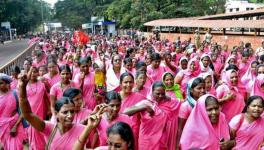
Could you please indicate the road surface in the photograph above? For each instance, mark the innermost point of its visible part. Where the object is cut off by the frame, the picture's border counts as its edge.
(11, 50)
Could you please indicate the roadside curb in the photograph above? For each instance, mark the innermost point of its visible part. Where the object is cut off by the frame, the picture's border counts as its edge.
(6, 42)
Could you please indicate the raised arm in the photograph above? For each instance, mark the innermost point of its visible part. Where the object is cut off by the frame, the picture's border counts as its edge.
(27, 113)
(93, 121)
(138, 108)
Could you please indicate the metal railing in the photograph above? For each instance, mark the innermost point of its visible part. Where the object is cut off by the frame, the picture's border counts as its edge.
(17, 61)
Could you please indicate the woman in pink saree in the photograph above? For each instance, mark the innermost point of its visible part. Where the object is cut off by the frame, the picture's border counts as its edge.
(155, 70)
(195, 89)
(218, 66)
(231, 95)
(156, 132)
(39, 102)
(85, 81)
(53, 75)
(61, 135)
(142, 66)
(12, 132)
(111, 116)
(130, 98)
(249, 75)
(209, 84)
(258, 86)
(244, 63)
(247, 128)
(206, 127)
(58, 88)
(184, 76)
(81, 113)
(140, 86)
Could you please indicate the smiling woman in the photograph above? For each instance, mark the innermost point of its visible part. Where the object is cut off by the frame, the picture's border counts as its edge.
(61, 135)
(247, 128)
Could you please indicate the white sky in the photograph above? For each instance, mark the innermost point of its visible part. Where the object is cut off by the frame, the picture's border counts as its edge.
(52, 2)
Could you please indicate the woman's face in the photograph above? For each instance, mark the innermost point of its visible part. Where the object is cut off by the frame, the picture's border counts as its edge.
(206, 61)
(245, 59)
(84, 67)
(117, 61)
(158, 93)
(155, 63)
(168, 80)
(42, 71)
(260, 70)
(192, 66)
(148, 60)
(255, 109)
(253, 66)
(212, 109)
(4, 87)
(134, 62)
(234, 78)
(127, 84)
(26, 65)
(65, 76)
(34, 74)
(141, 80)
(128, 66)
(232, 61)
(113, 109)
(52, 68)
(198, 91)
(115, 142)
(214, 57)
(66, 114)
(78, 101)
(208, 83)
(168, 58)
(184, 64)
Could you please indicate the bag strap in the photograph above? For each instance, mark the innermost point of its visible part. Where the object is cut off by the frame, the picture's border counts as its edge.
(17, 105)
(24, 122)
(51, 137)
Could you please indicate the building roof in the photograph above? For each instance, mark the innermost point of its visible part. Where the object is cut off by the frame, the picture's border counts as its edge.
(207, 23)
(241, 14)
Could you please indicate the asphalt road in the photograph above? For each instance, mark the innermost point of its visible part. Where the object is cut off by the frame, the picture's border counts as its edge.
(10, 50)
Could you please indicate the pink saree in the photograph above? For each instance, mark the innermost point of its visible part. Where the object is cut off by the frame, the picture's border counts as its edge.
(200, 133)
(248, 135)
(235, 106)
(63, 141)
(8, 117)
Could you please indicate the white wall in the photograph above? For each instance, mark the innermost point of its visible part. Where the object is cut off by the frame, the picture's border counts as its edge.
(233, 6)
(111, 29)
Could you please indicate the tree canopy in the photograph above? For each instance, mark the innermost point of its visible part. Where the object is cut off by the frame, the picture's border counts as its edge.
(24, 15)
(132, 13)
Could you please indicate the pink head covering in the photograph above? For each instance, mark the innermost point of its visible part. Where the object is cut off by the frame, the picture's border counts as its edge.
(228, 59)
(249, 75)
(239, 87)
(199, 131)
(257, 86)
(188, 70)
(204, 76)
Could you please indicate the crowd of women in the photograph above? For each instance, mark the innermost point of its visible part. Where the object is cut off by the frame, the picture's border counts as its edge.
(133, 94)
